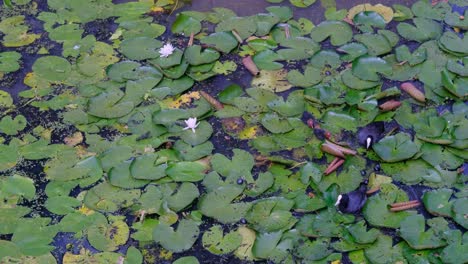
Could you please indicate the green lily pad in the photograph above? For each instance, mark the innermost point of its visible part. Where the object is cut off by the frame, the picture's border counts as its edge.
(270, 215)
(368, 20)
(140, 48)
(298, 48)
(33, 236)
(366, 68)
(426, 10)
(218, 204)
(453, 43)
(310, 77)
(459, 67)
(376, 44)
(283, 12)
(214, 241)
(52, 68)
(339, 32)
(396, 148)
(120, 176)
(244, 26)
(272, 80)
(108, 236)
(377, 213)
(413, 231)
(424, 29)
(17, 186)
(266, 60)
(172, 60)
(61, 205)
(275, 124)
(403, 54)
(186, 25)
(187, 260)
(353, 50)
(354, 82)
(9, 61)
(460, 210)
(265, 21)
(455, 20)
(222, 41)
(12, 126)
(384, 251)
(108, 198)
(186, 171)
(108, 105)
(195, 56)
(177, 240)
(437, 202)
(360, 233)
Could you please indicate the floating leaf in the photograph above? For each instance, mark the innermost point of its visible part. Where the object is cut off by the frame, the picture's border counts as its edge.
(217, 204)
(396, 148)
(272, 80)
(339, 32)
(12, 126)
(366, 68)
(437, 202)
(423, 30)
(177, 240)
(214, 241)
(222, 41)
(52, 68)
(108, 105)
(140, 48)
(195, 56)
(414, 232)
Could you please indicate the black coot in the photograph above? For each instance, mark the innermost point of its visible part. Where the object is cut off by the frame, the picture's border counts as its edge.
(352, 202)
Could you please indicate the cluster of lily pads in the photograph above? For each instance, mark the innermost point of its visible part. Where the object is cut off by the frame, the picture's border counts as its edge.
(142, 175)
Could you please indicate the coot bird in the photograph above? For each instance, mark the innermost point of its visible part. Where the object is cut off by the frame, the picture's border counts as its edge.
(352, 202)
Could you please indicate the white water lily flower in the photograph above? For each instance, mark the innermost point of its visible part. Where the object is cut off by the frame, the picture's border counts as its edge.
(191, 124)
(166, 50)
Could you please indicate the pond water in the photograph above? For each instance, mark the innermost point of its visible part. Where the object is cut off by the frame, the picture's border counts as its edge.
(95, 142)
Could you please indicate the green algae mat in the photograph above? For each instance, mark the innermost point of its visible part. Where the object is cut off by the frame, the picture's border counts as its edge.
(147, 132)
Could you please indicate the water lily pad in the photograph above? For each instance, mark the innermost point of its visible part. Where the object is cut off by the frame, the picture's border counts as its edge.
(396, 148)
(214, 241)
(426, 10)
(186, 25)
(366, 21)
(385, 11)
(384, 249)
(414, 232)
(460, 210)
(187, 260)
(459, 67)
(453, 43)
(244, 26)
(366, 68)
(108, 105)
(62, 205)
(17, 186)
(186, 171)
(140, 48)
(355, 82)
(361, 235)
(218, 204)
(298, 48)
(12, 126)
(424, 29)
(339, 32)
(195, 56)
(108, 236)
(456, 20)
(120, 176)
(437, 202)
(272, 80)
(177, 240)
(275, 124)
(222, 41)
(9, 61)
(272, 214)
(376, 44)
(403, 54)
(52, 68)
(353, 50)
(266, 60)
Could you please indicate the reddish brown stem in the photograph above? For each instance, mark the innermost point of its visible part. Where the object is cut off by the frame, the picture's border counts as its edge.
(333, 167)
(390, 105)
(250, 65)
(404, 207)
(373, 190)
(190, 42)
(330, 149)
(413, 91)
(342, 149)
(404, 203)
(213, 102)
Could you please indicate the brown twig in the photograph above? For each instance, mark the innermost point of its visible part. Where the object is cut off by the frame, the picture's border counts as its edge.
(190, 42)
(237, 36)
(213, 102)
(390, 105)
(334, 165)
(397, 207)
(250, 65)
(330, 149)
(413, 91)
(342, 149)
(373, 190)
